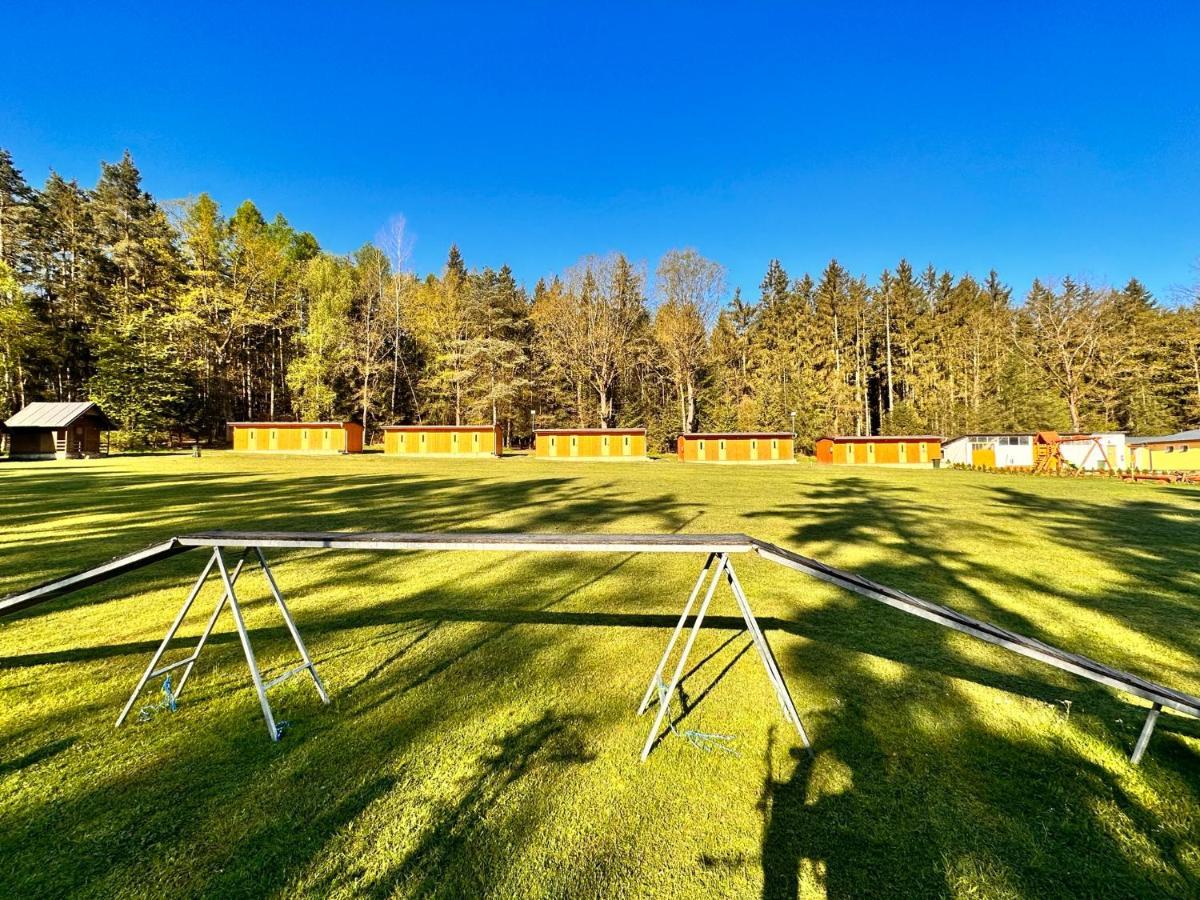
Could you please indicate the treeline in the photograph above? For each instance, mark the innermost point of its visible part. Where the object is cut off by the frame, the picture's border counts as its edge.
(176, 317)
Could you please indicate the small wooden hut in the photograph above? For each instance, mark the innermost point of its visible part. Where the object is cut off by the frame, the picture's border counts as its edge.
(736, 447)
(296, 437)
(880, 450)
(443, 440)
(590, 443)
(58, 431)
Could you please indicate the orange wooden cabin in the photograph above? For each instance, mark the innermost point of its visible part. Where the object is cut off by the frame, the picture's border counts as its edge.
(297, 437)
(443, 440)
(590, 443)
(880, 450)
(737, 447)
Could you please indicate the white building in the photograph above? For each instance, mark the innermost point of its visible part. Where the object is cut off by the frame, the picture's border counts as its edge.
(1000, 451)
(1082, 450)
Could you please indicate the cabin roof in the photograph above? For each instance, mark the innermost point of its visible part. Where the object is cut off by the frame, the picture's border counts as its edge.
(289, 424)
(879, 438)
(566, 431)
(717, 435)
(57, 415)
(1193, 435)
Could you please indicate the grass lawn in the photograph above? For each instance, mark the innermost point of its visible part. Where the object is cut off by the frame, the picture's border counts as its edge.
(482, 737)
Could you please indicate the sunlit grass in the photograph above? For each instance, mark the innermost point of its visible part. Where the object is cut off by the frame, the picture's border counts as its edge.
(482, 736)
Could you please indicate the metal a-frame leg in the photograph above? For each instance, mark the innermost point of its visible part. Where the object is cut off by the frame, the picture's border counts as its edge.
(724, 567)
(652, 689)
(229, 596)
(768, 658)
(243, 635)
(295, 632)
(151, 671)
(1144, 738)
(722, 561)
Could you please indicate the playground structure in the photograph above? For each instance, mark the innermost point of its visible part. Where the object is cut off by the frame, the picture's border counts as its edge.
(1049, 459)
(718, 549)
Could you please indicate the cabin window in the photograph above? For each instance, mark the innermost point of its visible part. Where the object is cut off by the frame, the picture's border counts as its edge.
(1183, 448)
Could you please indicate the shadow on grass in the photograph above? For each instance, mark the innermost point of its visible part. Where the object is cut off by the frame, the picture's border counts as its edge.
(916, 790)
(840, 822)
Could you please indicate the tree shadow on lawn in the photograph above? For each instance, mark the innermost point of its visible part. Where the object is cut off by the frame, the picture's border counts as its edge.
(901, 821)
(1137, 538)
(1082, 830)
(212, 808)
(141, 510)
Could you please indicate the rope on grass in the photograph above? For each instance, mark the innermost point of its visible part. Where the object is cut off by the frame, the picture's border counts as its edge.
(168, 702)
(701, 740)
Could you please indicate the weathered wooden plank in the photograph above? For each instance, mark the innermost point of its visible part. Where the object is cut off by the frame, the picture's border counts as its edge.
(1018, 643)
(57, 587)
(492, 541)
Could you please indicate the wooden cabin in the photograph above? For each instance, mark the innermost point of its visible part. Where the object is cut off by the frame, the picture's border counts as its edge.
(296, 437)
(590, 443)
(737, 447)
(58, 431)
(880, 450)
(1179, 452)
(443, 440)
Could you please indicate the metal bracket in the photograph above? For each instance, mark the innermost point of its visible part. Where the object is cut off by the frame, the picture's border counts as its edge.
(724, 568)
(229, 596)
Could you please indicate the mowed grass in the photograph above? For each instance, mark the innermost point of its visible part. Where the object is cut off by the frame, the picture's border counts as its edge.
(482, 739)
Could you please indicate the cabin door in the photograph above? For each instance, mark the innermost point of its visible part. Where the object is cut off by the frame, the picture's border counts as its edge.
(252, 438)
(871, 454)
(924, 451)
(574, 445)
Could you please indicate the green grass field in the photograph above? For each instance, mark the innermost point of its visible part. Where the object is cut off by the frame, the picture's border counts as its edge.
(482, 738)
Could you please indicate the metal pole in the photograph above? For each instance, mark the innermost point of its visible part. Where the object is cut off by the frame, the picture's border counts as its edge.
(662, 663)
(768, 658)
(687, 649)
(287, 617)
(162, 648)
(1144, 738)
(249, 651)
(212, 621)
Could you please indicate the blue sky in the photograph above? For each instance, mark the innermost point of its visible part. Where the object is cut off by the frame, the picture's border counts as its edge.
(1040, 141)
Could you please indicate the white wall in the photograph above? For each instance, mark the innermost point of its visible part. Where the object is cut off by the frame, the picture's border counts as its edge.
(1086, 455)
(960, 449)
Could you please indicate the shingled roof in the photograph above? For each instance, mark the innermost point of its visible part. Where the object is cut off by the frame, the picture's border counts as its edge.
(56, 415)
